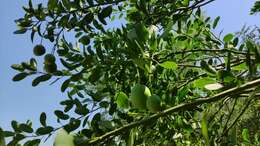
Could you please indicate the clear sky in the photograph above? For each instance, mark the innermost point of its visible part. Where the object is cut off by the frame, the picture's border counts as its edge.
(20, 101)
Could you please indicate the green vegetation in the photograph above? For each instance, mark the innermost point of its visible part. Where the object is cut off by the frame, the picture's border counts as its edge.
(204, 86)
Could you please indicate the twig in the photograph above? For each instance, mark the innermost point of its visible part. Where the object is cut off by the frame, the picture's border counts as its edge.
(180, 107)
(237, 118)
(230, 114)
(206, 50)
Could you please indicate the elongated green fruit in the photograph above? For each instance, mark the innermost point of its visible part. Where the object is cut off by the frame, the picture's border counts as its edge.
(153, 103)
(49, 59)
(139, 95)
(204, 65)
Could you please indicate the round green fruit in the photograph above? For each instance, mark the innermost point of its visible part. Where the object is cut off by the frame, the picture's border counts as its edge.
(139, 95)
(39, 50)
(50, 68)
(49, 59)
(63, 138)
(153, 103)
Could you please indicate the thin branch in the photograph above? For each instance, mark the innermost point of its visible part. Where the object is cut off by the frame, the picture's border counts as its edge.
(191, 80)
(220, 107)
(238, 117)
(97, 5)
(180, 10)
(230, 114)
(206, 50)
(180, 107)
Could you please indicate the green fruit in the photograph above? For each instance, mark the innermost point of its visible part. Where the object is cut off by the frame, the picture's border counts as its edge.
(153, 103)
(139, 95)
(63, 138)
(49, 59)
(50, 68)
(39, 50)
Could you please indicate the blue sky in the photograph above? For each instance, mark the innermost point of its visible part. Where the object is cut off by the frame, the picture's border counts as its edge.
(20, 101)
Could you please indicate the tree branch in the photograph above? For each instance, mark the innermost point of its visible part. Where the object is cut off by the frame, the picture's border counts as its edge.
(180, 107)
(97, 5)
(206, 50)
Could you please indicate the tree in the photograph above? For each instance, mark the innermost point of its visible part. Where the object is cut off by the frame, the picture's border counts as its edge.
(204, 84)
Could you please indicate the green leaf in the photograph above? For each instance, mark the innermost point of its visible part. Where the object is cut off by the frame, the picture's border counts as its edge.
(26, 128)
(228, 37)
(181, 38)
(255, 8)
(245, 135)
(169, 65)
(40, 79)
(142, 32)
(90, 2)
(185, 2)
(61, 115)
(65, 85)
(14, 125)
(88, 18)
(52, 4)
(106, 12)
(95, 120)
(20, 31)
(43, 118)
(73, 125)
(84, 40)
(66, 4)
(20, 76)
(208, 68)
(235, 41)
(140, 62)
(34, 142)
(240, 67)
(204, 129)
(66, 64)
(100, 53)
(44, 130)
(122, 100)
(32, 35)
(2, 139)
(249, 45)
(28, 66)
(9, 134)
(233, 136)
(64, 20)
(215, 23)
(95, 75)
(104, 104)
(81, 110)
(17, 67)
(200, 83)
(131, 137)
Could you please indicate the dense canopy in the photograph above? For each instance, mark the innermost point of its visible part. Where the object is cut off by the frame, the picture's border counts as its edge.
(141, 72)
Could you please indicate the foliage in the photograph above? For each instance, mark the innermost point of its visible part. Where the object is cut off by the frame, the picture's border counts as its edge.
(256, 8)
(167, 46)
